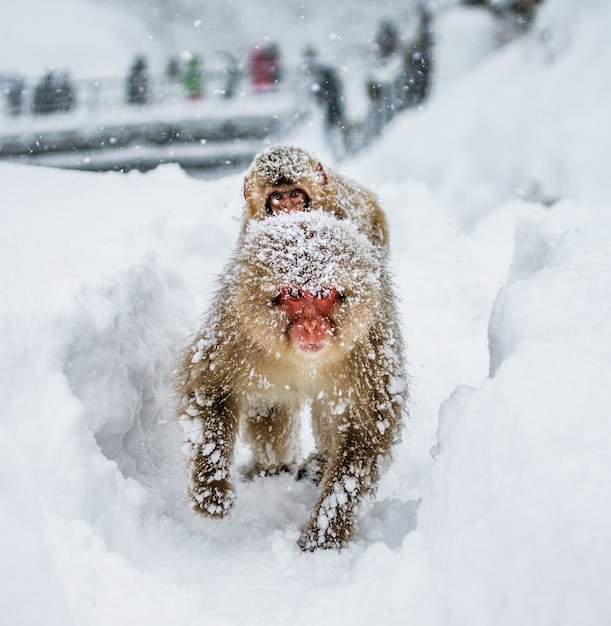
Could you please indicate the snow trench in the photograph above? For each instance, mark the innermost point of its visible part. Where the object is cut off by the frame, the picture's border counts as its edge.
(119, 361)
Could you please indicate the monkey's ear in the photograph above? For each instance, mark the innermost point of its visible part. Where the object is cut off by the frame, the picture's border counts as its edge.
(320, 170)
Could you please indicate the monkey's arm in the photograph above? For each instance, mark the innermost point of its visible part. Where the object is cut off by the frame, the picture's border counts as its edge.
(210, 426)
(361, 435)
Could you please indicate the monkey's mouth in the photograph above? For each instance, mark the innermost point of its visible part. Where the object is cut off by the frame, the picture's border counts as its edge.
(311, 347)
(309, 315)
(311, 338)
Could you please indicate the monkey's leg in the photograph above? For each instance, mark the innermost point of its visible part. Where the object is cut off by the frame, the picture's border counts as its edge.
(351, 473)
(273, 435)
(212, 432)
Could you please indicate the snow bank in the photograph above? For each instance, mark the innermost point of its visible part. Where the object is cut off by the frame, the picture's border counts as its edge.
(96, 314)
(517, 513)
(526, 121)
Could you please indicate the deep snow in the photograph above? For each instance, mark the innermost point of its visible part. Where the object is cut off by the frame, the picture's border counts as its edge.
(499, 203)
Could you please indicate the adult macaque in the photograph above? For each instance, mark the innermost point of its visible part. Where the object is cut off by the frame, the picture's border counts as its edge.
(285, 178)
(304, 315)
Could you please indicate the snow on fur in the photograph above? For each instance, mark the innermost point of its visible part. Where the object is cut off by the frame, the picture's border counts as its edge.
(312, 250)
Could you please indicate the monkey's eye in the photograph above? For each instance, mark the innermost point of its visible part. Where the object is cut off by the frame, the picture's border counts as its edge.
(300, 193)
(295, 293)
(276, 196)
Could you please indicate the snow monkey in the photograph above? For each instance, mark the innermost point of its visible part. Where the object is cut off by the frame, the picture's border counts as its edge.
(285, 178)
(304, 318)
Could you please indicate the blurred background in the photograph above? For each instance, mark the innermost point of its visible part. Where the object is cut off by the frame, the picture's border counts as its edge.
(129, 84)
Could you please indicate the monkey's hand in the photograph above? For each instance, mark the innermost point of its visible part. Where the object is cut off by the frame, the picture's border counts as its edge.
(210, 490)
(324, 535)
(213, 499)
(331, 525)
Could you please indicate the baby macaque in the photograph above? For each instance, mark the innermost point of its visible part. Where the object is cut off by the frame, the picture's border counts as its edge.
(285, 178)
(304, 316)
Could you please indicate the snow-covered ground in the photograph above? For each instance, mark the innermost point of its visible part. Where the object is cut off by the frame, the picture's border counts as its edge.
(499, 201)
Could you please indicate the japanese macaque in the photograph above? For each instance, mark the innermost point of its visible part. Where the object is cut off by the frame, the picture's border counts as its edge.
(285, 178)
(304, 316)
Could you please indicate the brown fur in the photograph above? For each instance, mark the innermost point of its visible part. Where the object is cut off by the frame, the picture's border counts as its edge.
(328, 190)
(242, 375)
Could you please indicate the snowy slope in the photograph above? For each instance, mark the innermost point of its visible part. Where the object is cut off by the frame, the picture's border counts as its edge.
(506, 307)
(527, 120)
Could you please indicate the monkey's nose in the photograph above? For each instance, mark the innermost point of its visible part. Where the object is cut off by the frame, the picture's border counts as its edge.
(311, 325)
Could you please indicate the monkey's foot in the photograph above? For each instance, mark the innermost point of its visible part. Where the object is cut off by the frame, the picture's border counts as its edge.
(212, 499)
(255, 470)
(332, 523)
(312, 468)
(314, 538)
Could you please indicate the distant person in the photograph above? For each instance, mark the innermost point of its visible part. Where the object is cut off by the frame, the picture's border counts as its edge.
(14, 96)
(330, 94)
(265, 67)
(44, 99)
(232, 77)
(137, 84)
(193, 79)
(417, 64)
(170, 88)
(327, 89)
(387, 39)
(172, 70)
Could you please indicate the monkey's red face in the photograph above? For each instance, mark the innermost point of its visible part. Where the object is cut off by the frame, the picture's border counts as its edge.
(308, 312)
